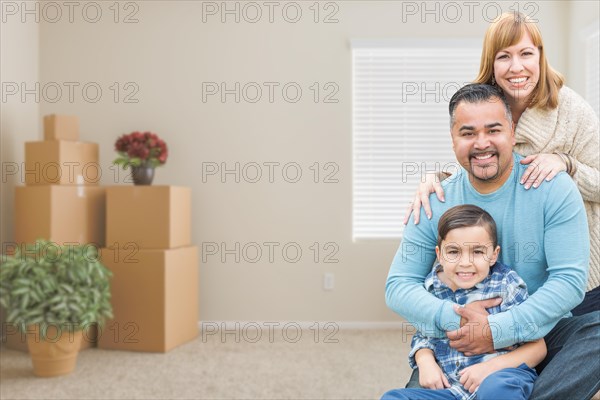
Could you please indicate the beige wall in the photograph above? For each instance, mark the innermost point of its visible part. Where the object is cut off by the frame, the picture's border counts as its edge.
(170, 52)
(19, 119)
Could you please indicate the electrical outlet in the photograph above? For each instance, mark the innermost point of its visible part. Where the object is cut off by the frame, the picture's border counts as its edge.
(328, 281)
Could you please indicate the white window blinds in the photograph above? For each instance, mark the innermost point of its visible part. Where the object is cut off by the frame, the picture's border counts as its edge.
(401, 125)
(592, 78)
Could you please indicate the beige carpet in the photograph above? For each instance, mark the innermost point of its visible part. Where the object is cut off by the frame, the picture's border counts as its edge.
(362, 365)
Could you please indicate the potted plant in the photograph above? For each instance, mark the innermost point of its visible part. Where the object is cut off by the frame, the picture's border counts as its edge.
(54, 293)
(143, 152)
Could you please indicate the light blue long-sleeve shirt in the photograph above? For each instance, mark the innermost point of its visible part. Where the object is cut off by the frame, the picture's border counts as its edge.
(543, 235)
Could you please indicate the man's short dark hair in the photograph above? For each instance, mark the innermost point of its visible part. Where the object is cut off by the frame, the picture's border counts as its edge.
(465, 216)
(477, 93)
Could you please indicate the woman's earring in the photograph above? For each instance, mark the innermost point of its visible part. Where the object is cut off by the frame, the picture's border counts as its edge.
(493, 80)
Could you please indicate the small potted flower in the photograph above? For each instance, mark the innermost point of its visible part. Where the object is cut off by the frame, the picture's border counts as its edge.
(143, 152)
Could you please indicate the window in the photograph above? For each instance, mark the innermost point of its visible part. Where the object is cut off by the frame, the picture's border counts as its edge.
(400, 124)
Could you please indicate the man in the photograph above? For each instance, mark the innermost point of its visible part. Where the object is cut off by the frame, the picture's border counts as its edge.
(543, 237)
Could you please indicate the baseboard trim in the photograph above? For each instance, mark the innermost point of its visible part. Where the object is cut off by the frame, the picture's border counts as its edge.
(341, 325)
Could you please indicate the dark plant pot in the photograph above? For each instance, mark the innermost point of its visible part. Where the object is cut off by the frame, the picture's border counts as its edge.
(142, 175)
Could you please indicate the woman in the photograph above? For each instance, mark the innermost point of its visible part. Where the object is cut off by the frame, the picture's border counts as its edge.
(554, 127)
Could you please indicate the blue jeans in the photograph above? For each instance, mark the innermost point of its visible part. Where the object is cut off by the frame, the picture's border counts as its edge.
(571, 369)
(590, 303)
(509, 384)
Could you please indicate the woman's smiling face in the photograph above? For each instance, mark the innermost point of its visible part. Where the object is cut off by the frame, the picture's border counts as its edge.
(517, 69)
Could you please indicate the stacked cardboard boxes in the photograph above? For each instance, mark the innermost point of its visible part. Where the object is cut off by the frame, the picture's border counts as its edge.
(155, 269)
(61, 201)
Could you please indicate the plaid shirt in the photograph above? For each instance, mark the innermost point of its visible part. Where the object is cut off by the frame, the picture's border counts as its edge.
(501, 282)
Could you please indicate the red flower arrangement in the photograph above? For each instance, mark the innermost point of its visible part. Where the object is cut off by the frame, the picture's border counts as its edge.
(139, 148)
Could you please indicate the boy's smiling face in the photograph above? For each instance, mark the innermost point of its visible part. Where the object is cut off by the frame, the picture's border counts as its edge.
(466, 255)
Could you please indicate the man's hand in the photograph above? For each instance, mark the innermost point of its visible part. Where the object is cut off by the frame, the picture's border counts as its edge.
(480, 307)
(474, 337)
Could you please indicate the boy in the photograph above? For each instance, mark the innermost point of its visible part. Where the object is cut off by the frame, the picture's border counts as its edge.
(467, 250)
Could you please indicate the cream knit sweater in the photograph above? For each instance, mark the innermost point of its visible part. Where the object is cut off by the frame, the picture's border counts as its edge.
(570, 128)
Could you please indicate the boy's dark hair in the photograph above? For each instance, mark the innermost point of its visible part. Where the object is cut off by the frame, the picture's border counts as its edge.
(478, 93)
(465, 216)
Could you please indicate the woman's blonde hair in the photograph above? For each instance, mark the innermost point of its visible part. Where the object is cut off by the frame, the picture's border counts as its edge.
(506, 31)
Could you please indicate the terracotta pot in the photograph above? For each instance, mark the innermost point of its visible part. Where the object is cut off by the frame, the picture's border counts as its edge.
(56, 354)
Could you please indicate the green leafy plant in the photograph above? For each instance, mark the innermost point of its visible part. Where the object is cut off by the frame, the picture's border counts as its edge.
(48, 284)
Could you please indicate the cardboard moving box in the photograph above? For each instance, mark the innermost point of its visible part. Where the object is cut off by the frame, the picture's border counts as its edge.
(61, 162)
(149, 217)
(60, 213)
(61, 127)
(154, 299)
